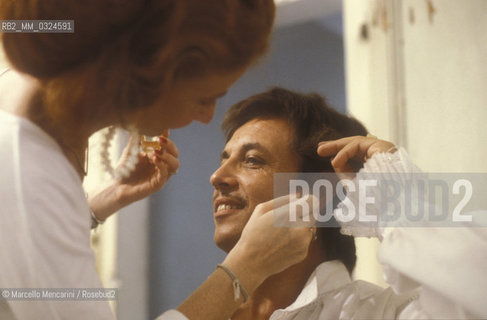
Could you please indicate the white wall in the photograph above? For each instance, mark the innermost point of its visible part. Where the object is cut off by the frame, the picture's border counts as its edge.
(369, 78)
(445, 82)
(419, 79)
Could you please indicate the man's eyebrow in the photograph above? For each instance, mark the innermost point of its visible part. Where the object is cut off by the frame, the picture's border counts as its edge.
(223, 155)
(254, 145)
(246, 147)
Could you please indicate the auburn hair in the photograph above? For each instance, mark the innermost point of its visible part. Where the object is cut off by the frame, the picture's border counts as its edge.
(125, 52)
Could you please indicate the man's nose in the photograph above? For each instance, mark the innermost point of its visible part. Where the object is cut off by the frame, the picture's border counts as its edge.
(223, 177)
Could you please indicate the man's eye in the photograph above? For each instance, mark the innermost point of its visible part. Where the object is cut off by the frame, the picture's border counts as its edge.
(251, 160)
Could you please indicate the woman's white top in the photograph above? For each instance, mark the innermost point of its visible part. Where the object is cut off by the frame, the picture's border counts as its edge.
(44, 226)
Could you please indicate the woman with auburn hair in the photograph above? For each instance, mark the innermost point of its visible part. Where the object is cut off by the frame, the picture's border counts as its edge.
(146, 66)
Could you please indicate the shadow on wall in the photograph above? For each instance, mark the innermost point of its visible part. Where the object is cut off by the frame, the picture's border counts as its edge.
(306, 57)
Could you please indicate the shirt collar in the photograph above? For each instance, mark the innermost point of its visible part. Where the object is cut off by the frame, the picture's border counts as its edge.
(327, 277)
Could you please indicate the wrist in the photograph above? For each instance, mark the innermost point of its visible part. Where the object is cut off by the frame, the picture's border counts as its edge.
(119, 198)
(95, 222)
(239, 291)
(244, 266)
(105, 201)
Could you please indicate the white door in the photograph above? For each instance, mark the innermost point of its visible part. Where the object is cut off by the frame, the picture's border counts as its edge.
(417, 75)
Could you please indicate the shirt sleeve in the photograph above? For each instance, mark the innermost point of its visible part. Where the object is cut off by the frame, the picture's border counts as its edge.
(359, 220)
(172, 315)
(447, 265)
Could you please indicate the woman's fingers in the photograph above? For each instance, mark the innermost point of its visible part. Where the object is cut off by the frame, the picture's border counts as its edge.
(277, 248)
(169, 146)
(288, 210)
(297, 213)
(330, 148)
(171, 162)
(357, 148)
(268, 206)
(167, 162)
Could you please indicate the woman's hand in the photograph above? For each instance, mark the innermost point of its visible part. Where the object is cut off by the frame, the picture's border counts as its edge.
(349, 155)
(264, 249)
(151, 173)
(348, 150)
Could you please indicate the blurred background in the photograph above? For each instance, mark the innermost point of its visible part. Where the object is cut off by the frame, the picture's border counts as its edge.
(414, 72)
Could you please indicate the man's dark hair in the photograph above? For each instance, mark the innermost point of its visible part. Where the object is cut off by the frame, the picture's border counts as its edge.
(312, 121)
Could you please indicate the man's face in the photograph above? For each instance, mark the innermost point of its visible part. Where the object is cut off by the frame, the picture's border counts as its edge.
(256, 151)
